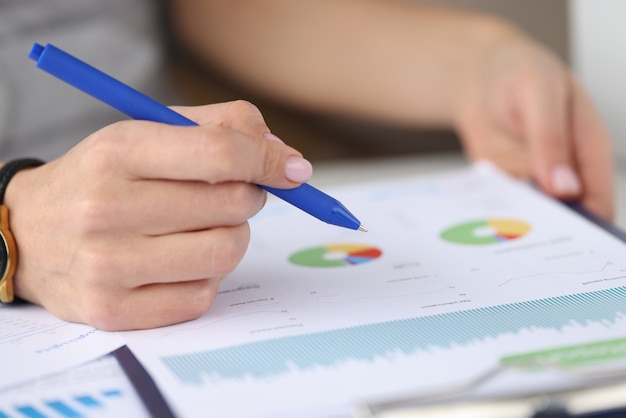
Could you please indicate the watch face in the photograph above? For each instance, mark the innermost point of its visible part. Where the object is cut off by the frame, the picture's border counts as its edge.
(4, 255)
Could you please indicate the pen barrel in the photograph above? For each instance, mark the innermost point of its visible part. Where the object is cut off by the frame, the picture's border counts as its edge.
(139, 106)
(318, 204)
(103, 87)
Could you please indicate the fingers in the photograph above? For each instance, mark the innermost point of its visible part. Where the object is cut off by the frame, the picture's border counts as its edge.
(594, 156)
(246, 118)
(238, 115)
(150, 282)
(485, 139)
(540, 124)
(138, 261)
(151, 216)
(153, 207)
(151, 306)
(213, 154)
(569, 149)
(546, 102)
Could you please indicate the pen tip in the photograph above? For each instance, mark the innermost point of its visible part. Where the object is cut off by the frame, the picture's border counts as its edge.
(362, 228)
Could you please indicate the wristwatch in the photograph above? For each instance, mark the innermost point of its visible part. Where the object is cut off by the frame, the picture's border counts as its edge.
(8, 248)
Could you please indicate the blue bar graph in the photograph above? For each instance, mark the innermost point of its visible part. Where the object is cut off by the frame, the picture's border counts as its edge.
(88, 401)
(63, 409)
(366, 343)
(81, 405)
(30, 412)
(112, 393)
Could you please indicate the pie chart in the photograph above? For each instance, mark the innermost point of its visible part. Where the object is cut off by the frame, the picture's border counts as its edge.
(335, 255)
(486, 231)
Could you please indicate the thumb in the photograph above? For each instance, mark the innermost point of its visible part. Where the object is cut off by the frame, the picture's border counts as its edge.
(280, 166)
(275, 164)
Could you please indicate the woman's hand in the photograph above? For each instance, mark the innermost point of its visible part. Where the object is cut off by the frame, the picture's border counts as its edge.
(136, 226)
(416, 64)
(522, 109)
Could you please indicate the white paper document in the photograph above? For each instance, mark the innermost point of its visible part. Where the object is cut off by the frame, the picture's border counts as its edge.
(460, 273)
(96, 389)
(35, 343)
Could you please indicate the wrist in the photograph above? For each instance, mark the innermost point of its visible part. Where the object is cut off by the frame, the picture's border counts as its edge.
(8, 243)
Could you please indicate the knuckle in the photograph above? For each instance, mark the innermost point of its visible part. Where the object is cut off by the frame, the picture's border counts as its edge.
(242, 200)
(103, 148)
(225, 252)
(245, 108)
(272, 164)
(245, 117)
(100, 308)
(200, 299)
(91, 215)
(102, 315)
(99, 266)
(219, 150)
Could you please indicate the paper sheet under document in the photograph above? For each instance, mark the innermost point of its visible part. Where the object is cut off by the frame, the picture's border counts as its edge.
(459, 273)
(97, 389)
(34, 343)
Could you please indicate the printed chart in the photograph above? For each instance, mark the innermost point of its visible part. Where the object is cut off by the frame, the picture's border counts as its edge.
(457, 275)
(66, 405)
(486, 231)
(45, 344)
(97, 389)
(335, 255)
(369, 343)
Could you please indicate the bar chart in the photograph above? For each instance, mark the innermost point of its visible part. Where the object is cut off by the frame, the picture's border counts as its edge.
(97, 389)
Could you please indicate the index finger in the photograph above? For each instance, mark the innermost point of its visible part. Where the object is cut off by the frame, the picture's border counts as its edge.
(594, 156)
(209, 153)
(239, 115)
(547, 118)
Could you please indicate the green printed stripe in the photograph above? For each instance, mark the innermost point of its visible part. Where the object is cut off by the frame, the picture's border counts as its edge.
(574, 355)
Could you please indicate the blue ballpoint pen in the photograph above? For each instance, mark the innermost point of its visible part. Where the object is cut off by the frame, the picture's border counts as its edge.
(139, 106)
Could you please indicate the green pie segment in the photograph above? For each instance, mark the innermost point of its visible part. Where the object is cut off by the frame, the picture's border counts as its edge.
(489, 231)
(336, 255)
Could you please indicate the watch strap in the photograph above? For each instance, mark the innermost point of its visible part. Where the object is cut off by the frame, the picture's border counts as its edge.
(8, 248)
(8, 170)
